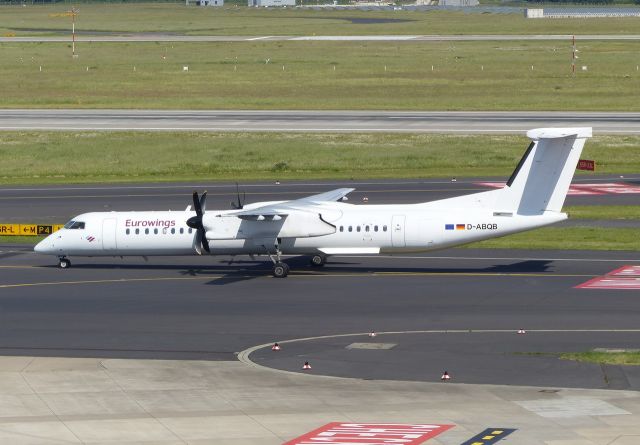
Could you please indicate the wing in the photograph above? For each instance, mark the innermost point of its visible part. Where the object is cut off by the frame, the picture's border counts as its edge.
(333, 195)
(275, 212)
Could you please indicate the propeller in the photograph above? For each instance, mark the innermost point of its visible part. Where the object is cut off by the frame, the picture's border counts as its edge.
(195, 222)
(240, 204)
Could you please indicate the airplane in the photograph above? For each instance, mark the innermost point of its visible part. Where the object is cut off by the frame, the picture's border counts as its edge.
(323, 225)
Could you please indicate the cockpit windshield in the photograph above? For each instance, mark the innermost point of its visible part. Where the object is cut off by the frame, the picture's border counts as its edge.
(74, 225)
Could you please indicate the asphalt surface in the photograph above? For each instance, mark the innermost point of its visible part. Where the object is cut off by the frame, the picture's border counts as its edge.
(57, 204)
(206, 308)
(316, 121)
(157, 37)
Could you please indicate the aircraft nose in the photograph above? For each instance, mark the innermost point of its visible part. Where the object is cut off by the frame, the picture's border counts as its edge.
(45, 246)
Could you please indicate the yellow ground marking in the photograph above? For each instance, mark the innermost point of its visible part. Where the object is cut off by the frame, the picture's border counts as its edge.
(116, 280)
(295, 275)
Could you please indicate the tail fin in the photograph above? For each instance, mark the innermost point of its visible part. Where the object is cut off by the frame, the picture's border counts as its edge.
(541, 180)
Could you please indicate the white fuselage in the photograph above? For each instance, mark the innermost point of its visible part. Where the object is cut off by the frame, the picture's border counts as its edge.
(357, 229)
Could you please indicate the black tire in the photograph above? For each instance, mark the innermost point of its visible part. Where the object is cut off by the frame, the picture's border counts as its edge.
(280, 270)
(64, 263)
(318, 260)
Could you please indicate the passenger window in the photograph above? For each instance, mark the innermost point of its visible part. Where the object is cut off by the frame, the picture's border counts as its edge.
(366, 229)
(358, 228)
(384, 228)
(190, 230)
(128, 231)
(137, 231)
(155, 231)
(181, 230)
(342, 228)
(146, 231)
(173, 230)
(350, 229)
(375, 228)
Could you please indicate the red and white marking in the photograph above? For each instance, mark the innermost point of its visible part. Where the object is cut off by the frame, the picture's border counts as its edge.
(606, 188)
(339, 433)
(607, 282)
(626, 277)
(626, 271)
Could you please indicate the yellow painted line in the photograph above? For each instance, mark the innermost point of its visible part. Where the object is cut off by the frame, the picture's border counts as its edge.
(118, 280)
(422, 274)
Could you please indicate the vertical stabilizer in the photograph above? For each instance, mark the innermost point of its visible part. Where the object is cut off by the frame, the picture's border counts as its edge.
(541, 180)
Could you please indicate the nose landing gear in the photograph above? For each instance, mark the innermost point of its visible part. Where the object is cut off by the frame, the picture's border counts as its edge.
(64, 263)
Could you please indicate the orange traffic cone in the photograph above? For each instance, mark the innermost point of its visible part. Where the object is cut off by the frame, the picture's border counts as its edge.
(306, 366)
(445, 377)
(275, 347)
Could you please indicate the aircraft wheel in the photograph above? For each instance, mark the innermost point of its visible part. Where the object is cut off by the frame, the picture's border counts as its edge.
(280, 270)
(64, 263)
(318, 260)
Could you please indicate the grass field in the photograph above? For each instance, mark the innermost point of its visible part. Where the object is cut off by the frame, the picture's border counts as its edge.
(568, 238)
(232, 20)
(603, 212)
(86, 157)
(322, 75)
(608, 358)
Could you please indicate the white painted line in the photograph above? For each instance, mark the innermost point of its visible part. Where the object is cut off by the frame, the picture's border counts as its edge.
(244, 356)
(259, 38)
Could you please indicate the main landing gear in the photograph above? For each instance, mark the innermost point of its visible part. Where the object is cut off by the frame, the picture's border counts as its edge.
(280, 269)
(318, 260)
(64, 263)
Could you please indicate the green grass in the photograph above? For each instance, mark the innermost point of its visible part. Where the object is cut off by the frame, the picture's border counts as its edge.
(607, 358)
(322, 75)
(603, 212)
(568, 238)
(20, 239)
(232, 20)
(90, 157)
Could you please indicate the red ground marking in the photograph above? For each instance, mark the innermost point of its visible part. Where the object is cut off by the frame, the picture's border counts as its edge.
(610, 282)
(607, 188)
(337, 433)
(626, 271)
(625, 277)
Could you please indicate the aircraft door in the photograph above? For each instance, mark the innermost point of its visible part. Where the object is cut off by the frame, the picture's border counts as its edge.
(109, 234)
(397, 231)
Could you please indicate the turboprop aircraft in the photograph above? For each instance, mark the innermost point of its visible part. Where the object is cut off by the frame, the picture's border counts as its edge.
(324, 225)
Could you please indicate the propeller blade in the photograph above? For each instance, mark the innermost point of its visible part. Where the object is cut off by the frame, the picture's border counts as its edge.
(203, 202)
(196, 204)
(195, 222)
(198, 243)
(205, 241)
(240, 204)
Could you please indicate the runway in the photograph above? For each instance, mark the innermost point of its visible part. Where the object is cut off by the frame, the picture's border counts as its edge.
(517, 122)
(57, 204)
(159, 37)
